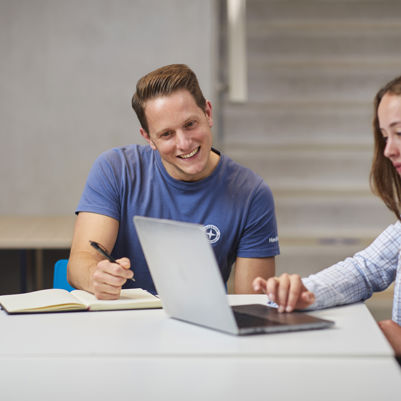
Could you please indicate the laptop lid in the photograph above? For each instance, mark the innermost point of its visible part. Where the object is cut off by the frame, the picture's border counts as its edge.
(188, 280)
(185, 272)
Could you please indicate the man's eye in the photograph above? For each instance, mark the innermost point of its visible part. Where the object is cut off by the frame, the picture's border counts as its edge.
(190, 124)
(165, 134)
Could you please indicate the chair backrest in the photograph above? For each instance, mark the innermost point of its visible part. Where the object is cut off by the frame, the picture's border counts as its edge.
(60, 275)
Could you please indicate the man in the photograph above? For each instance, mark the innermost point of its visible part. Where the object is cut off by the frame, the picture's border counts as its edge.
(177, 176)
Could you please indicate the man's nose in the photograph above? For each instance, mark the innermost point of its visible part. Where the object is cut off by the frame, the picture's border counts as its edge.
(183, 140)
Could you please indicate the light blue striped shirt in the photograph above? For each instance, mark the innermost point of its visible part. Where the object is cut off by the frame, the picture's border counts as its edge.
(355, 279)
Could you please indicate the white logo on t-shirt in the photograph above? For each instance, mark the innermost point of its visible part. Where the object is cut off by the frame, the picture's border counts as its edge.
(212, 232)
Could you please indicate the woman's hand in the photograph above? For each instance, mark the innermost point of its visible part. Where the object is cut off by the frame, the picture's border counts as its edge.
(287, 291)
(392, 331)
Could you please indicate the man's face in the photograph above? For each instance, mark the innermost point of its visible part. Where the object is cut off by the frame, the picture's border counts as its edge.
(181, 132)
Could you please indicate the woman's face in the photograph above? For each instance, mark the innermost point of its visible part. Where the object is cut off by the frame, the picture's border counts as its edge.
(389, 116)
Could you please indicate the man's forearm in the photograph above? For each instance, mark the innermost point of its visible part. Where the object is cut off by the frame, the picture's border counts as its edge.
(81, 266)
(247, 269)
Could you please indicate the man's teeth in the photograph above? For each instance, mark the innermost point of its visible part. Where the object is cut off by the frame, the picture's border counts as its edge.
(189, 154)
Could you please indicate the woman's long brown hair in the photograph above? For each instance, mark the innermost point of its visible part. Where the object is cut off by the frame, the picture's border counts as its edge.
(384, 179)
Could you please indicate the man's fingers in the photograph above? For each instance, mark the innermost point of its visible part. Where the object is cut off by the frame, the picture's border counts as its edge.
(105, 294)
(124, 262)
(106, 290)
(108, 278)
(120, 270)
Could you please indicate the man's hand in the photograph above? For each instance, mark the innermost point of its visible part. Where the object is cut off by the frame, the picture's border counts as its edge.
(287, 291)
(392, 331)
(108, 278)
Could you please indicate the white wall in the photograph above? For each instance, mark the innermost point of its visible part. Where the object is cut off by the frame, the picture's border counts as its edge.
(68, 70)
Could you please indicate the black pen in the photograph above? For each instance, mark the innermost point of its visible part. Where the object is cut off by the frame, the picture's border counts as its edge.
(103, 251)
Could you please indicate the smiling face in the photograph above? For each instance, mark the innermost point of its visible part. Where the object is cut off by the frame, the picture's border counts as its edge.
(389, 117)
(181, 132)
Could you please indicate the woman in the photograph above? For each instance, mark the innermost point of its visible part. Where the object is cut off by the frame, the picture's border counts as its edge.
(376, 267)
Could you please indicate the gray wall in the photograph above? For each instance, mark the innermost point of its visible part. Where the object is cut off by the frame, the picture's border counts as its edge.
(68, 70)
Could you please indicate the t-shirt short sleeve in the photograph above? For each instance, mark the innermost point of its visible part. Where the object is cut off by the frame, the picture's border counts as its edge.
(101, 193)
(260, 237)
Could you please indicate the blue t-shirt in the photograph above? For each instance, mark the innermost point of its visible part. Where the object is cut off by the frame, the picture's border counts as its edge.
(234, 204)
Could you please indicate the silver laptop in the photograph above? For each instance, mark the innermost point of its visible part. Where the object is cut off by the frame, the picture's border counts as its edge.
(188, 280)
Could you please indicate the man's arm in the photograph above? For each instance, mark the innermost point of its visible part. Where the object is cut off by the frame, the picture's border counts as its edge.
(86, 268)
(247, 269)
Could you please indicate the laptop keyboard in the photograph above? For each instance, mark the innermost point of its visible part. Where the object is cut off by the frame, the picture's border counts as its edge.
(262, 315)
(245, 320)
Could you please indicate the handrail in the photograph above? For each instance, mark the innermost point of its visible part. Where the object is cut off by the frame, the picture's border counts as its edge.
(237, 68)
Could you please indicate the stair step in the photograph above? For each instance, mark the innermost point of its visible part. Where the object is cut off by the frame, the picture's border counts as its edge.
(324, 217)
(308, 259)
(268, 83)
(323, 11)
(354, 41)
(336, 27)
(294, 170)
(301, 123)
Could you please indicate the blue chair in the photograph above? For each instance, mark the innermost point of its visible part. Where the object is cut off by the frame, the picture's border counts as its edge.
(60, 275)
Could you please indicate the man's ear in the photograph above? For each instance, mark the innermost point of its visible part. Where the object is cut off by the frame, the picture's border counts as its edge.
(147, 138)
(209, 113)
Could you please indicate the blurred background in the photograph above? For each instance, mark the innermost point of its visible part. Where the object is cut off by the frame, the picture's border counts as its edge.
(291, 82)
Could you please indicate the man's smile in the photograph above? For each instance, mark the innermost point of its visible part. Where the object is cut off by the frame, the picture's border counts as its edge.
(188, 155)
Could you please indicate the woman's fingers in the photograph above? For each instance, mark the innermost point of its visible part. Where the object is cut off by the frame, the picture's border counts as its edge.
(294, 292)
(287, 291)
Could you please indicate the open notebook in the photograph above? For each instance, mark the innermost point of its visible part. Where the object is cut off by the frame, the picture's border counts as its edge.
(58, 300)
(188, 280)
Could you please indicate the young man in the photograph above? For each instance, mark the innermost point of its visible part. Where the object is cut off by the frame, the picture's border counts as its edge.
(177, 176)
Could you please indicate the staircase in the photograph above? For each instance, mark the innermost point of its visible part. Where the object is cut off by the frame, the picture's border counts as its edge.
(314, 67)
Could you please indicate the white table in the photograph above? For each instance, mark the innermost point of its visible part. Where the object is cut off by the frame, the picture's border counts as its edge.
(149, 333)
(148, 356)
(199, 378)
